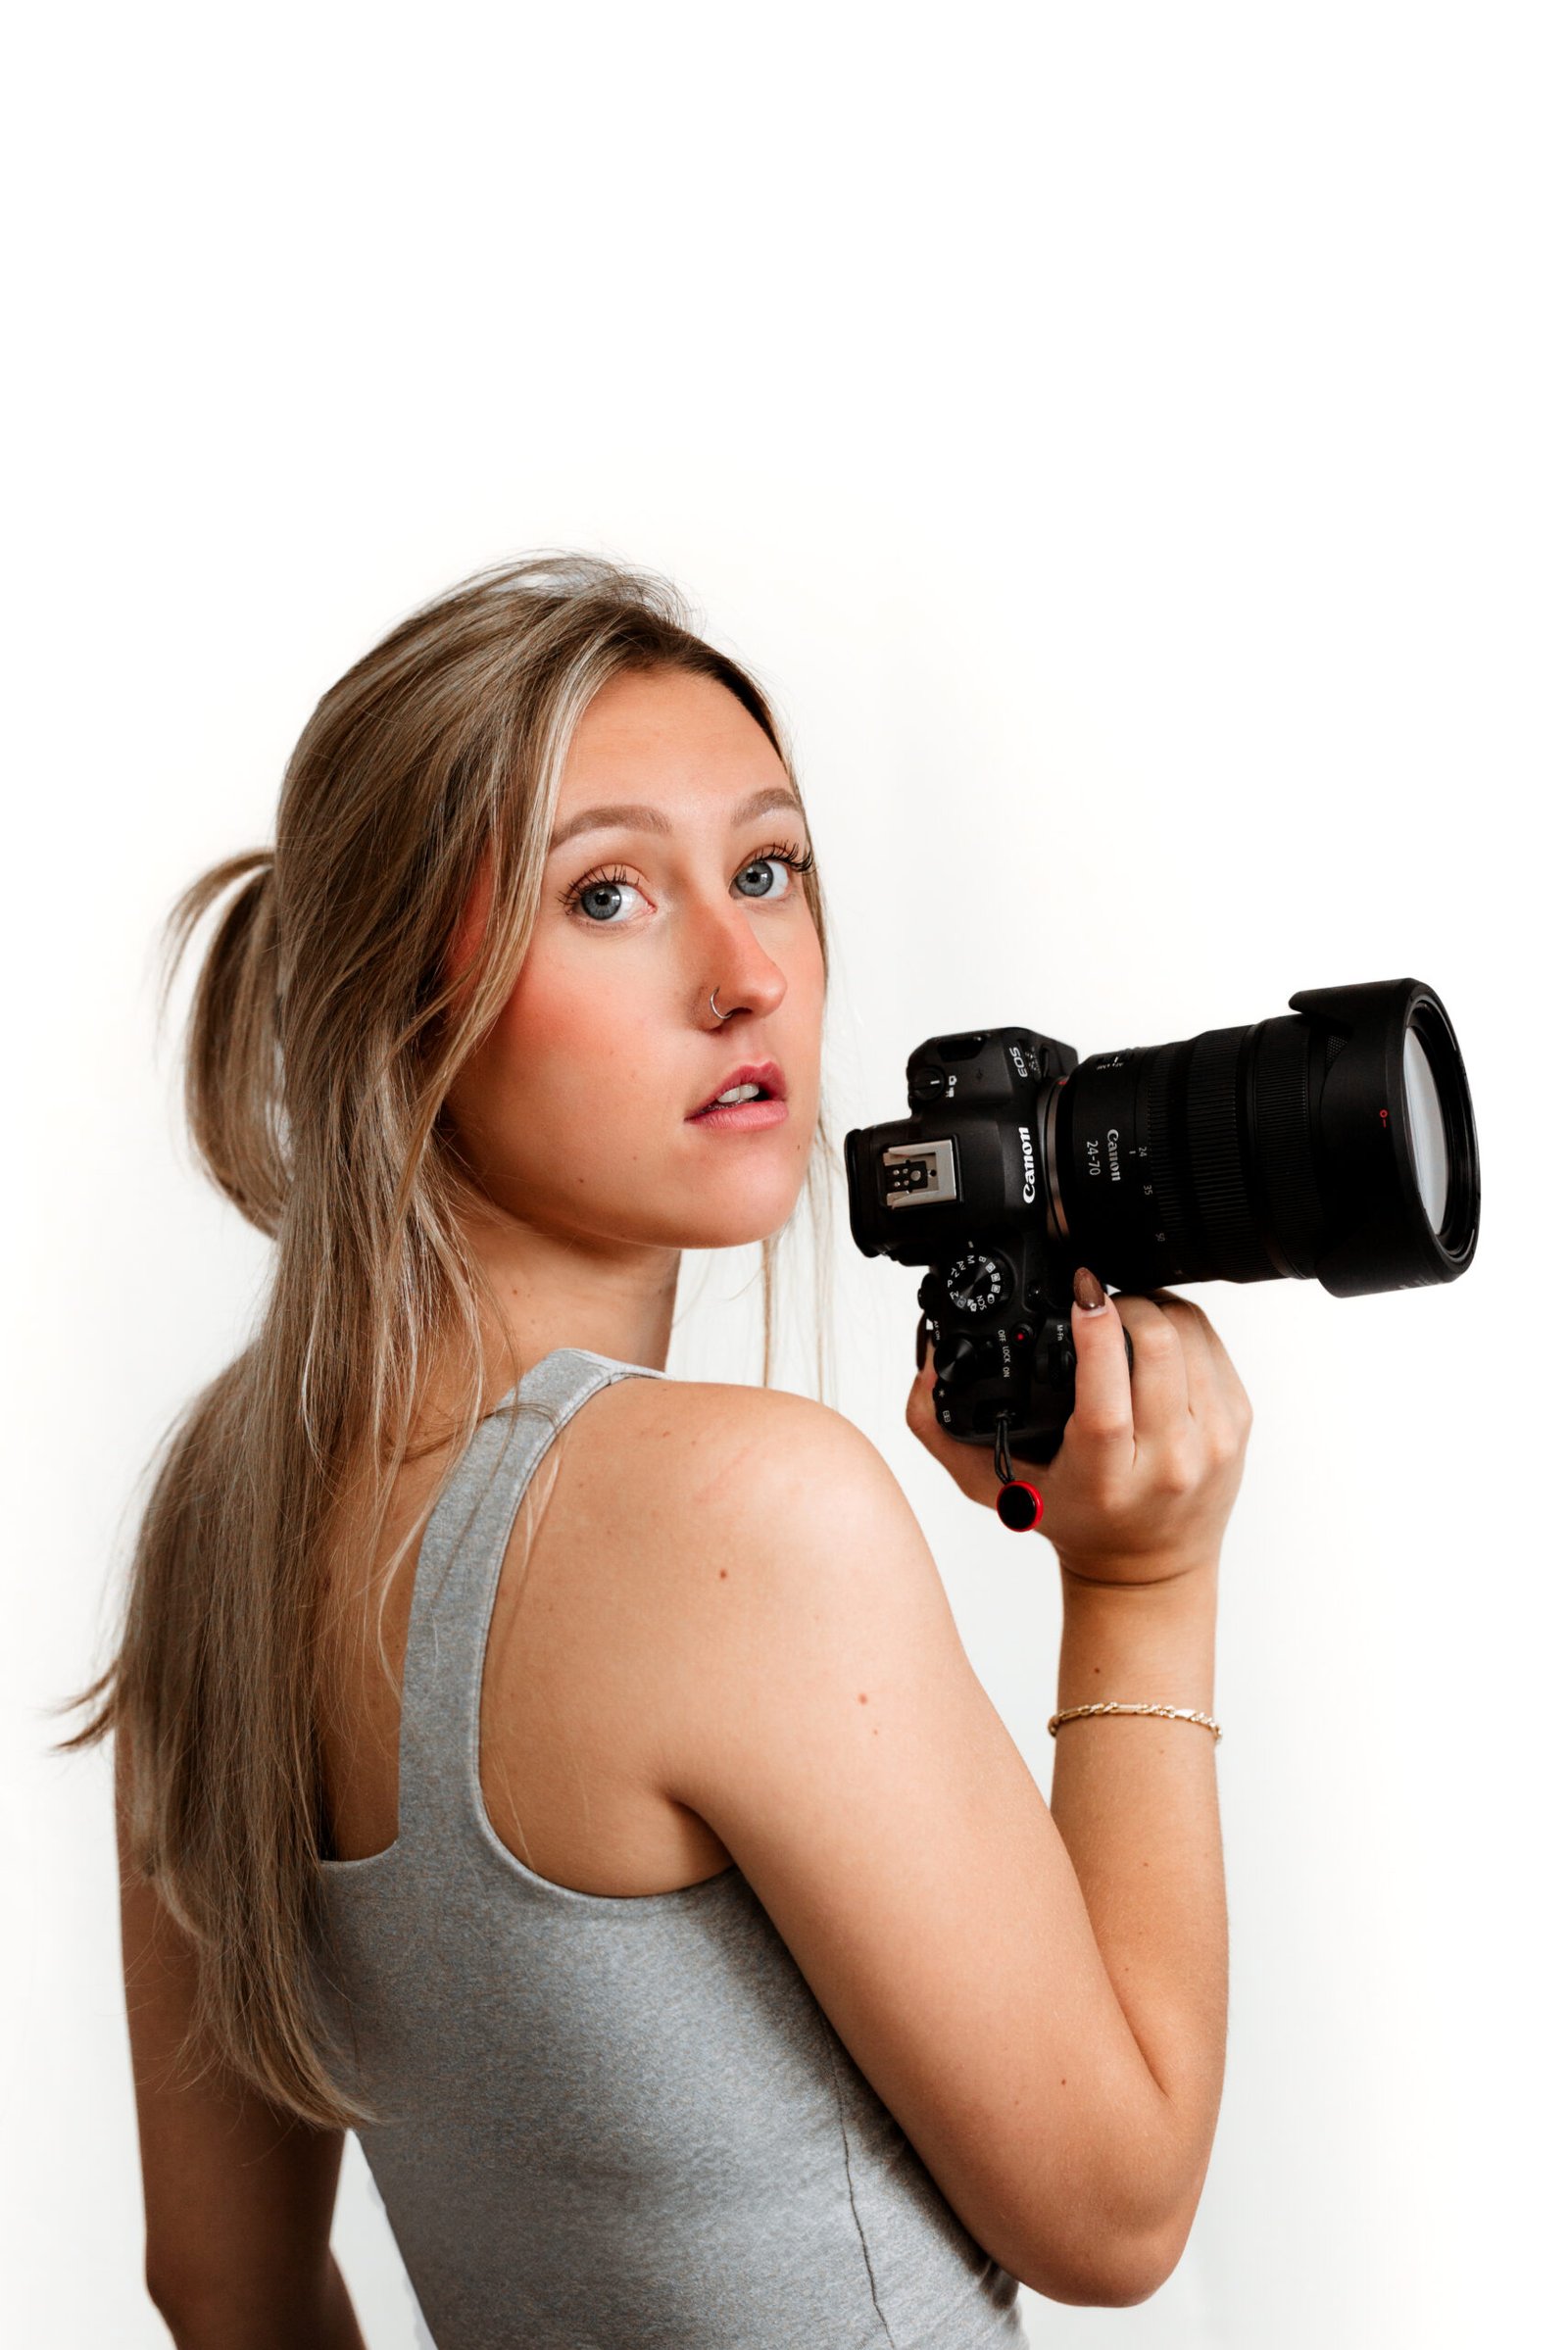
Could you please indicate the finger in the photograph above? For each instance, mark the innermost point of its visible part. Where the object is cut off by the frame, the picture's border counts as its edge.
(1101, 1417)
(1204, 1401)
(1227, 1380)
(1160, 1369)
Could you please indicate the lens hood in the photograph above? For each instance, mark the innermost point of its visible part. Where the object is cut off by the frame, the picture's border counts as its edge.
(1377, 1118)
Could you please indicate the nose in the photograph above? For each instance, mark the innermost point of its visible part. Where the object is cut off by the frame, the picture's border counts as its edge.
(735, 970)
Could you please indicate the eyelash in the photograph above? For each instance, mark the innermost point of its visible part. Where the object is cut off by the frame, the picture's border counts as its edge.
(788, 853)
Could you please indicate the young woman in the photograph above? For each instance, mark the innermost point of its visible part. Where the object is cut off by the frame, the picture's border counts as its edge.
(568, 1778)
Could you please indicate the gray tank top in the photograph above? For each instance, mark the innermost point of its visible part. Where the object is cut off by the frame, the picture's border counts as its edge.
(608, 2120)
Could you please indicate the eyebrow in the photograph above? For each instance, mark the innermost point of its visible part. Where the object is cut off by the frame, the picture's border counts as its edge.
(634, 819)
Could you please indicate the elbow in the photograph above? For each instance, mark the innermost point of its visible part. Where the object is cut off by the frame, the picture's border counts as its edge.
(1138, 2270)
(1110, 2275)
(183, 2310)
(1104, 2266)
(159, 2291)
(1116, 2231)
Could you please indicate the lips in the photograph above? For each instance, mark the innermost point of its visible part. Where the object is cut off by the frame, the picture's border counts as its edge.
(765, 1073)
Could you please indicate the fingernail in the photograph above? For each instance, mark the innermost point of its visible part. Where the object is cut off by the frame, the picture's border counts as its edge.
(1088, 1292)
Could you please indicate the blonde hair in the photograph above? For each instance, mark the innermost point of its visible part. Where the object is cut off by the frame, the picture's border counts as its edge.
(324, 1033)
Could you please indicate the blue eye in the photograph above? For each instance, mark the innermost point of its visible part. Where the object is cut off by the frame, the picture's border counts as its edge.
(598, 897)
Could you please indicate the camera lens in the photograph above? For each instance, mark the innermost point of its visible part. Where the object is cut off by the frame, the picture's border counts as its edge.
(1336, 1145)
(1428, 1141)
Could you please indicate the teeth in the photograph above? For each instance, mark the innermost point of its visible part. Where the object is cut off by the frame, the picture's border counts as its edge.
(737, 1092)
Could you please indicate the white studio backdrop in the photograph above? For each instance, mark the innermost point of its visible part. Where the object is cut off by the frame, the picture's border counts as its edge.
(1128, 444)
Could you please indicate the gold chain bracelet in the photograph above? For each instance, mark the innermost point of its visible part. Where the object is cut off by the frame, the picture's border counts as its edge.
(1112, 1706)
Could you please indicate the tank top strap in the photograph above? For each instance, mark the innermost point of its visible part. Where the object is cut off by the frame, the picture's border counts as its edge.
(456, 1581)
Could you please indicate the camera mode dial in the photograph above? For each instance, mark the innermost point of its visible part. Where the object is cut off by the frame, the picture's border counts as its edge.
(978, 1282)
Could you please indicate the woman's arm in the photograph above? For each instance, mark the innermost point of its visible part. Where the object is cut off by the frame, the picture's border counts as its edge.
(238, 2195)
(1136, 1803)
(1137, 1503)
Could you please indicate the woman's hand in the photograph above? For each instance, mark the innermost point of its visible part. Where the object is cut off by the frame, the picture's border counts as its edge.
(1151, 1461)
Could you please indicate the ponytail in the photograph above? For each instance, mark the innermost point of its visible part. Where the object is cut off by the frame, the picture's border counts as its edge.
(233, 1062)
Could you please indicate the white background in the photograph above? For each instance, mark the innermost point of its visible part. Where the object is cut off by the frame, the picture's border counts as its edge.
(1130, 441)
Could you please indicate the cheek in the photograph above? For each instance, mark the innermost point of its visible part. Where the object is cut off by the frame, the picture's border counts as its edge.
(564, 1019)
(572, 1038)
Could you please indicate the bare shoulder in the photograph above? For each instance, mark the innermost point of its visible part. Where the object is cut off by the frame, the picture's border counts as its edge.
(780, 1549)
(697, 1432)
(754, 1470)
(723, 1408)
(755, 1521)
(691, 1475)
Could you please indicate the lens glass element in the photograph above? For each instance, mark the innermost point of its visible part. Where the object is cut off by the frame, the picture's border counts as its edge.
(1423, 1113)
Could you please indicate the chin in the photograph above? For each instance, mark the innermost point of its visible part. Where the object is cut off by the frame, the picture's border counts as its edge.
(737, 1215)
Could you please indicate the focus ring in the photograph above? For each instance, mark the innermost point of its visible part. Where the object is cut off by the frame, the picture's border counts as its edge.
(1282, 1136)
(1214, 1144)
(1164, 1071)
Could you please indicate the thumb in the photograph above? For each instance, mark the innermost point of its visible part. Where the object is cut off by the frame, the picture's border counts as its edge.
(920, 1411)
(968, 1465)
(1103, 1395)
(925, 1377)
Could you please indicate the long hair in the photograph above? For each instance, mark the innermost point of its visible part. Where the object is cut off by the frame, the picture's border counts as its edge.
(326, 1029)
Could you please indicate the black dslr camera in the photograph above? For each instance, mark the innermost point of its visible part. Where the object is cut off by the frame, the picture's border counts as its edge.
(1336, 1145)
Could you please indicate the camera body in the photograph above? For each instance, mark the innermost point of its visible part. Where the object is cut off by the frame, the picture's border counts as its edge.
(970, 1186)
(1336, 1143)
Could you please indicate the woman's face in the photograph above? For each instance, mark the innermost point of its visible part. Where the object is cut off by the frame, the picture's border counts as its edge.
(576, 1110)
